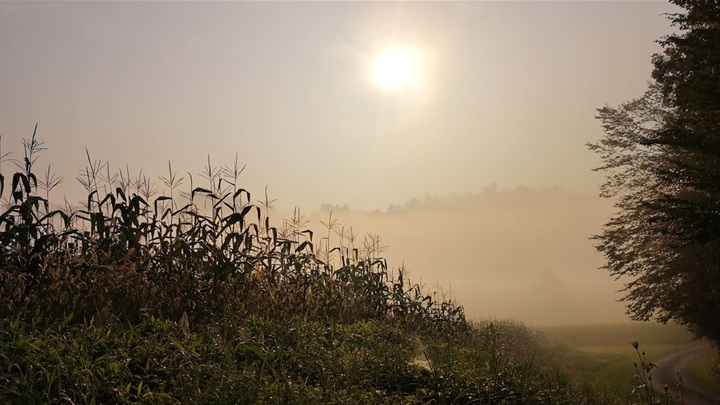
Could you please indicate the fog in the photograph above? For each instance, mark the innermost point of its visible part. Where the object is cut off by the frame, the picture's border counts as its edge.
(517, 253)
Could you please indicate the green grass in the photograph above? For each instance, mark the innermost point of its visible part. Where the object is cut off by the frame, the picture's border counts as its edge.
(609, 367)
(603, 357)
(253, 360)
(705, 372)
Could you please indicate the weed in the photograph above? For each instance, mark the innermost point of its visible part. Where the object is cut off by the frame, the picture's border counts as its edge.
(645, 389)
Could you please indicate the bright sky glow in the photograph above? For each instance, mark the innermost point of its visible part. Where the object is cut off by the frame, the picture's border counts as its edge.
(394, 68)
(472, 93)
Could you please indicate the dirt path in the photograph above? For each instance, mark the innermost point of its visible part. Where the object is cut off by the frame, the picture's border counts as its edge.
(668, 367)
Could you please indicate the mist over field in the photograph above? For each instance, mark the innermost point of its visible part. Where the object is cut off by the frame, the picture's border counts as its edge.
(518, 253)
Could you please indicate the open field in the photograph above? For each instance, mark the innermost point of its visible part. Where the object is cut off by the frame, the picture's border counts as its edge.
(603, 357)
(611, 368)
(584, 336)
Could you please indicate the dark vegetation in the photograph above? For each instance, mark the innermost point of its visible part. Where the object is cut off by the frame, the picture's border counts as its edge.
(661, 155)
(134, 299)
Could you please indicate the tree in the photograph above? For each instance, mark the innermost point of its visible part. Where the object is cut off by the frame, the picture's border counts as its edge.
(661, 156)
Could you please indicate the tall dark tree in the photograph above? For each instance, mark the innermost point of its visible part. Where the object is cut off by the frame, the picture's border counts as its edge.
(661, 156)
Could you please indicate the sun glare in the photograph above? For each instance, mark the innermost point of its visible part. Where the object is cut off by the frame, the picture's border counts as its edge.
(395, 68)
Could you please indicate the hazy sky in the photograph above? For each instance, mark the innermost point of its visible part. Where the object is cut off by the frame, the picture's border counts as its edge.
(506, 92)
(501, 92)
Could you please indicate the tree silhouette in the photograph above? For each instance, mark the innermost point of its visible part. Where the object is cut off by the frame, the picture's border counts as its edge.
(661, 157)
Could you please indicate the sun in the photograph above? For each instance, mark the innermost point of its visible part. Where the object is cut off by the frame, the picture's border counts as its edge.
(395, 68)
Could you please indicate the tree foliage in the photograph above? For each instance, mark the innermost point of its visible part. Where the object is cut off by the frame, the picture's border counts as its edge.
(661, 157)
